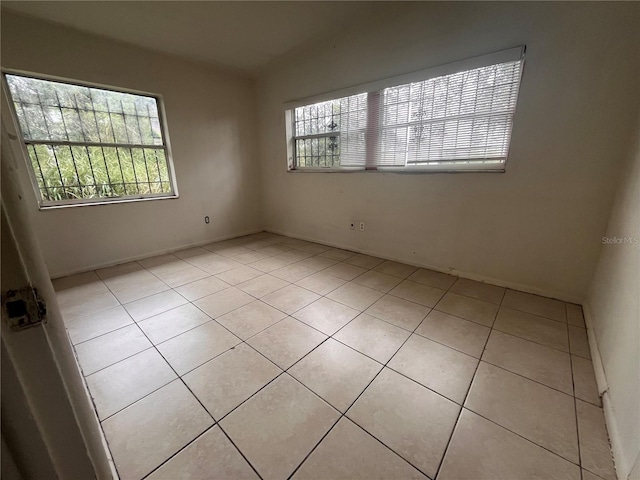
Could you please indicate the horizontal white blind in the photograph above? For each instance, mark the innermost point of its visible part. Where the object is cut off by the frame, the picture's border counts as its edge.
(331, 134)
(461, 119)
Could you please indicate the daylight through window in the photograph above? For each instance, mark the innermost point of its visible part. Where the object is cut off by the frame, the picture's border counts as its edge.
(455, 117)
(89, 144)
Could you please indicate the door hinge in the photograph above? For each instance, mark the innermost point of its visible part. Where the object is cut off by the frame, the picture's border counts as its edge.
(23, 308)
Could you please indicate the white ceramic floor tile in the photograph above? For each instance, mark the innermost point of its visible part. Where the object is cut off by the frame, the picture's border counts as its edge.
(355, 296)
(321, 283)
(401, 313)
(536, 305)
(468, 308)
(373, 337)
(87, 280)
(155, 304)
(578, 342)
(84, 328)
(250, 319)
(250, 257)
(277, 428)
(174, 322)
(574, 315)
(270, 264)
(239, 275)
(293, 272)
(110, 348)
(468, 337)
(364, 261)
(214, 265)
(263, 285)
(118, 270)
(170, 268)
(400, 270)
(286, 342)
(413, 421)
(537, 362)
(538, 413)
(229, 379)
(211, 455)
(193, 348)
(335, 372)
(136, 285)
(190, 252)
(76, 290)
(337, 254)
(183, 276)
(434, 279)
(84, 305)
(584, 380)
(326, 315)
(345, 271)
(377, 281)
(594, 441)
(290, 299)
(419, 293)
(348, 452)
(201, 288)
(442, 369)
(224, 301)
(150, 431)
(317, 263)
(159, 260)
(531, 327)
(314, 248)
(125, 382)
(480, 449)
(479, 290)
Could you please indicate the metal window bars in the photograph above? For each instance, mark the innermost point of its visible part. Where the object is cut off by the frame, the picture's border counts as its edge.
(87, 143)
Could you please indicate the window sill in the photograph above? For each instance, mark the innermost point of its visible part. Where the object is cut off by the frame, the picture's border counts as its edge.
(97, 202)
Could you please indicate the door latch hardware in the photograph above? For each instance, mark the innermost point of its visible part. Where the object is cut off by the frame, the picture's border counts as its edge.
(23, 308)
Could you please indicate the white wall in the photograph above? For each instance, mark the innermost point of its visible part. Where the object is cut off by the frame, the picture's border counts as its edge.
(613, 314)
(537, 226)
(212, 126)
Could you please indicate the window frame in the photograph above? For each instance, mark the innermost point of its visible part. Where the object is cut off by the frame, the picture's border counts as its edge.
(82, 202)
(502, 56)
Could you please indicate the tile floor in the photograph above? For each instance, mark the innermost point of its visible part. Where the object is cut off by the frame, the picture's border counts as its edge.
(270, 357)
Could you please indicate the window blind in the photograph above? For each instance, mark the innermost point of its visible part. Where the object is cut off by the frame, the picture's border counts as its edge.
(460, 119)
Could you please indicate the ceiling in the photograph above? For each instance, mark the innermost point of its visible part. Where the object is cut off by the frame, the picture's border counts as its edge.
(241, 35)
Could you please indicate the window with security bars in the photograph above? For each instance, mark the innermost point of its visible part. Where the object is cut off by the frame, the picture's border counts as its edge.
(89, 144)
(455, 117)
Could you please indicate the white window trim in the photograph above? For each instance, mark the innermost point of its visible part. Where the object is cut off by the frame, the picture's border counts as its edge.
(503, 56)
(10, 120)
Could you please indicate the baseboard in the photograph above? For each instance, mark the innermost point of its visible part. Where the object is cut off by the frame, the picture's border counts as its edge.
(603, 390)
(458, 273)
(153, 254)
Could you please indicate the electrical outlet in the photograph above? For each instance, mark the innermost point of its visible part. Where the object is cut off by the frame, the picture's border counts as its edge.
(362, 226)
(352, 226)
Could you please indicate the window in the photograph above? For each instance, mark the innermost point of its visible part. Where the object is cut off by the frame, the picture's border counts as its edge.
(455, 117)
(90, 145)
